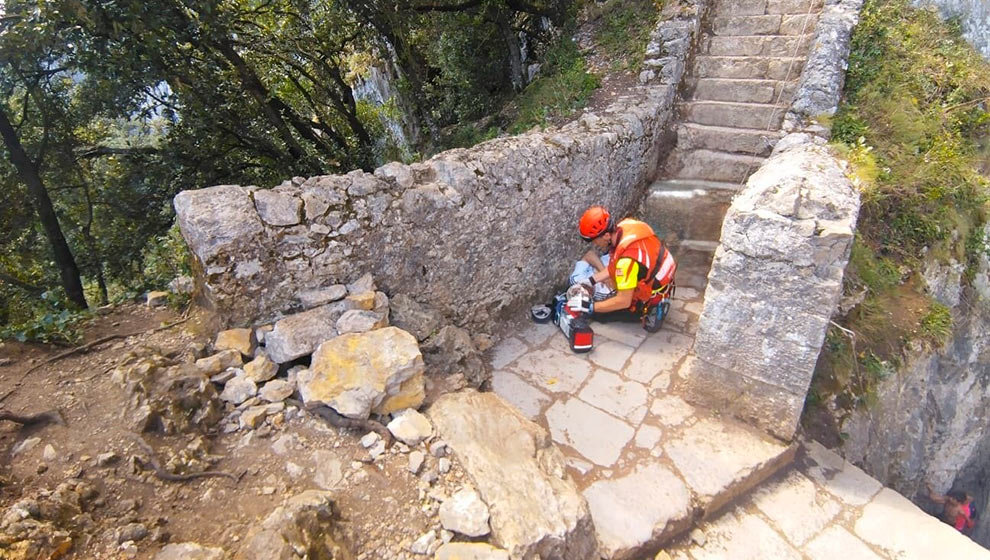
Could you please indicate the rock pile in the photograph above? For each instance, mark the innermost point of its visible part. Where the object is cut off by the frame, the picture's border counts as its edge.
(44, 526)
(342, 352)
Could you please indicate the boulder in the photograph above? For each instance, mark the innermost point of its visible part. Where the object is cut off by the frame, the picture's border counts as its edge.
(498, 448)
(362, 300)
(242, 340)
(260, 369)
(418, 319)
(165, 396)
(410, 427)
(321, 296)
(212, 365)
(182, 285)
(359, 321)
(189, 551)
(298, 335)
(469, 551)
(276, 390)
(465, 513)
(452, 351)
(157, 299)
(238, 390)
(378, 371)
(381, 305)
(253, 416)
(304, 527)
(366, 283)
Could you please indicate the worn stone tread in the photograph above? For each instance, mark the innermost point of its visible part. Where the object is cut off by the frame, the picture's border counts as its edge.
(749, 67)
(757, 142)
(734, 115)
(713, 166)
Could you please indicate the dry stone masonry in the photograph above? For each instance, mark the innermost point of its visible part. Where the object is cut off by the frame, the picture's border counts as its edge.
(774, 284)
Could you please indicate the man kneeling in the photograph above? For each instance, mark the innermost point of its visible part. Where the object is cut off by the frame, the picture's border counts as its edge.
(629, 268)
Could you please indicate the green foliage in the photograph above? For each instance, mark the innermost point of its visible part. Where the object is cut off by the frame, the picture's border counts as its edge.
(936, 325)
(49, 321)
(877, 274)
(564, 87)
(625, 29)
(914, 118)
(917, 96)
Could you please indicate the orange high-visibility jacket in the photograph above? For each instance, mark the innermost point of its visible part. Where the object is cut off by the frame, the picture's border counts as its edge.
(637, 241)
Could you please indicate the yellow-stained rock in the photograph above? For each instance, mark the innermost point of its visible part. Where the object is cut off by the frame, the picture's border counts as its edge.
(242, 340)
(359, 372)
(363, 300)
(411, 394)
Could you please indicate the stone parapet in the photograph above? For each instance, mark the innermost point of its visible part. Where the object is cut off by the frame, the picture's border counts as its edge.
(772, 288)
(470, 231)
(824, 73)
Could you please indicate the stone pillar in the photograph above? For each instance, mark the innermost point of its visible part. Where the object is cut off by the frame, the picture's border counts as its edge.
(773, 286)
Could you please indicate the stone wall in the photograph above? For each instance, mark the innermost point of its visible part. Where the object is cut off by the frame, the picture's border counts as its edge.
(974, 15)
(824, 74)
(472, 232)
(775, 281)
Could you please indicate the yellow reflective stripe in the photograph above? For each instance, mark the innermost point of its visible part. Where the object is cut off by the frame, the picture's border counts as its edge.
(626, 274)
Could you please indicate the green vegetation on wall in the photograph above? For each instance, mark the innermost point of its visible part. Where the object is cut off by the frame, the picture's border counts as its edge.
(913, 127)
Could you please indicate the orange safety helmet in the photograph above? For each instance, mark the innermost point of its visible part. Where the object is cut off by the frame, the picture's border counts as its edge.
(595, 222)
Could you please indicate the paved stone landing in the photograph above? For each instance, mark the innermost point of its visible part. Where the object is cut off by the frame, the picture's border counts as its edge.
(649, 464)
(824, 508)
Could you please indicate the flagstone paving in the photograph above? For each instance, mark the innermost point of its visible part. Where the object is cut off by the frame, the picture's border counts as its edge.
(648, 462)
(823, 508)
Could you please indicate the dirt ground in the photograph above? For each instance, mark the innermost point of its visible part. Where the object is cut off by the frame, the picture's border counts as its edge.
(383, 506)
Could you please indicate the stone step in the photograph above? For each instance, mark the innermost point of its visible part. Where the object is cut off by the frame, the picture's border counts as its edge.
(734, 115)
(756, 45)
(760, 7)
(700, 246)
(724, 139)
(748, 67)
(741, 90)
(683, 209)
(712, 166)
(773, 24)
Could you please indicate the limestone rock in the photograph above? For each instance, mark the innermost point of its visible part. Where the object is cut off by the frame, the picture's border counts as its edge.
(253, 416)
(321, 296)
(212, 365)
(165, 396)
(157, 299)
(303, 527)
(425, 543)
(241, 340)
(182, 285)
(189, 551)
(362, 300)
(278, 209)
(416, 459)
(470, 551)
(381, 305)
(260, 369)
(465, 513)
(238, 390)
(452, 351)
(364, 284)
(359, 321)
(355, 374)
(298, 335)
(498, 447)
(276, 390)
(410, 427)
(421, 321)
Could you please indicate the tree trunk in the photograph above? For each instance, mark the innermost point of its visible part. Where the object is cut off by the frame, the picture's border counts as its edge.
(46, 212)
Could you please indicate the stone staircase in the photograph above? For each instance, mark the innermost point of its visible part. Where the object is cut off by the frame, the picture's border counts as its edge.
(735, 97)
